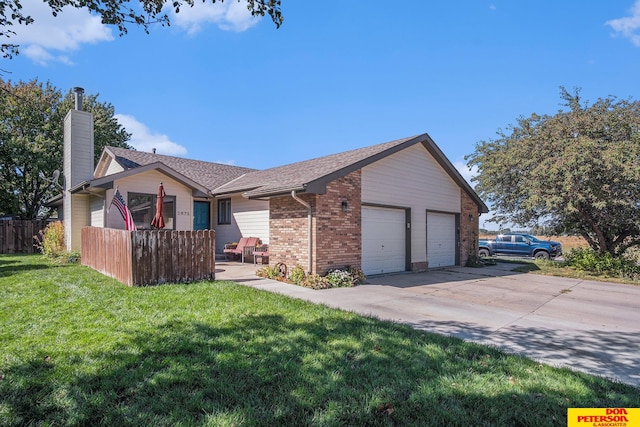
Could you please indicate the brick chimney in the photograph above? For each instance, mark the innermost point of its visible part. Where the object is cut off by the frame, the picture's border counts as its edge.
(78, 167)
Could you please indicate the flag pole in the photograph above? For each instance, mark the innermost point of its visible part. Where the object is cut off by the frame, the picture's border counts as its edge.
(112, 197)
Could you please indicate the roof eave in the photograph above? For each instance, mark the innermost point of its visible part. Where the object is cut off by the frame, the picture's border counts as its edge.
(101, 168)
(55, 201)
(284, 191)
(197, 189)
(228, 193)
(319, 186)
(444, 162)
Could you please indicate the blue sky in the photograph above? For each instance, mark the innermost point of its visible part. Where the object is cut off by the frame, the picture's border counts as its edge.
(221, 86)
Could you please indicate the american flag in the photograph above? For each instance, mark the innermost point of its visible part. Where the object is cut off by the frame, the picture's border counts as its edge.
(118, 201)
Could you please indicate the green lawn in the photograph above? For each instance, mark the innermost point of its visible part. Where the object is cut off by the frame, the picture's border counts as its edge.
(560, 269)
(78, 348)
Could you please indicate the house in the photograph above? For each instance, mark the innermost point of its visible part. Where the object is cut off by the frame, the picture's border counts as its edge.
(391, 207)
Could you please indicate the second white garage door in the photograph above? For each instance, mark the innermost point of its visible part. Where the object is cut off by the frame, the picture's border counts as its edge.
(383, 240)
(441, 239)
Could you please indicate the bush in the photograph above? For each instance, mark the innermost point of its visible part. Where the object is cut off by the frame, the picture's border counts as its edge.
(345, 277)
(297, 274)
(51, 240)
(586, 259)
(268, 272)
(315, 281)
(357, 274)
(51, 244)
(73, 257)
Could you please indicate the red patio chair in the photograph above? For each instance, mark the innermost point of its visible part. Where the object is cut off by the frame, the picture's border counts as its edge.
(245, 247)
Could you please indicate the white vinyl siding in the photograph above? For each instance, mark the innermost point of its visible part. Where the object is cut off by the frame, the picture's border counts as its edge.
(97, 212)
(77, 167)
(114, 167)
(107, 166)
(411, 178)
(147, 183)
(79, 215)
(249, 218)
(78, 151)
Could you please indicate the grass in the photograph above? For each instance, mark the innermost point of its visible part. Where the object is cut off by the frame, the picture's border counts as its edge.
(559, 269)
(81, 349)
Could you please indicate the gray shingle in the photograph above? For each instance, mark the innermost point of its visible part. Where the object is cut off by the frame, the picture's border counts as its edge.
(309, 175)
(207, 174)
(295, 176)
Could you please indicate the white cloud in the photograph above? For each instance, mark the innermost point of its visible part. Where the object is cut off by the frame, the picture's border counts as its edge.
(466, 173)
(229, 16)
(628, 26)
(143, 139)
(49, 37)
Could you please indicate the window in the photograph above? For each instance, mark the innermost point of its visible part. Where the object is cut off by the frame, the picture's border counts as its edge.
(143, 209)
(224, 211)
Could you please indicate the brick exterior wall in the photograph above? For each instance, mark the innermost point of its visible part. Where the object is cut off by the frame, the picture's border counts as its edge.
(336, 235)
(288, 227)
(418, 267)
(339, 234)
(468, 229)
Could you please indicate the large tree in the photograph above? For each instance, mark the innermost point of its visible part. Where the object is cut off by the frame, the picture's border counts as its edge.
(121, 13)
(31, 142)
(577, 171)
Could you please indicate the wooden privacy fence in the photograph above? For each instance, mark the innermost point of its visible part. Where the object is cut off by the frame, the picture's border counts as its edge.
(149, 257)
(16, 237)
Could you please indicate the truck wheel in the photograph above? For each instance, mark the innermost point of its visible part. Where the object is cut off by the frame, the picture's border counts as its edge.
(541, 255)
(483, 253)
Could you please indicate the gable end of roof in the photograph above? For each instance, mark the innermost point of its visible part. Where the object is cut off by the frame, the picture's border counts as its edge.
(318, 185)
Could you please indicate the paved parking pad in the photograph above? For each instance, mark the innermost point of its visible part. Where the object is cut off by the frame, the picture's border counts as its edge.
(584, 325)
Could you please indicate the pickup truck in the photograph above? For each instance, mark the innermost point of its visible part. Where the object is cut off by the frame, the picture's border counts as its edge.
(519, 245)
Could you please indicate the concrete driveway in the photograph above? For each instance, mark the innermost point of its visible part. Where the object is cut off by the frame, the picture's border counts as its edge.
(584, 325)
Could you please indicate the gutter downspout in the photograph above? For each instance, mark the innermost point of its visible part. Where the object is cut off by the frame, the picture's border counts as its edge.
(310, 229)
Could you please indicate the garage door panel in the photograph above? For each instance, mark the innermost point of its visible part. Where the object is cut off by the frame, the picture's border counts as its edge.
(441, 239)
(383, 240)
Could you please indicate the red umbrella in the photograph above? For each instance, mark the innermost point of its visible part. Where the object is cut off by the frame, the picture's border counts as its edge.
(158, 220)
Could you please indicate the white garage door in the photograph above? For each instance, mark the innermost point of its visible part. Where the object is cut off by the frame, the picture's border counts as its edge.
(383, 240)
(441, 239)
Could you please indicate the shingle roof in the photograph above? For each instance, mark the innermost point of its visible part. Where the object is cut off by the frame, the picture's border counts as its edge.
(309, 176)
(301, 175)
(207, 174)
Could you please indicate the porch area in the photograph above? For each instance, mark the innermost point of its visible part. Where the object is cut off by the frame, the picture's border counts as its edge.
(236, 271)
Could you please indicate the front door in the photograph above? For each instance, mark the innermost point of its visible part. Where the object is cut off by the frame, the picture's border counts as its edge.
(201, 215)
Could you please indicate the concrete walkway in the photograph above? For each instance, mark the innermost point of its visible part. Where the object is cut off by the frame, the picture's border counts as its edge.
(584, 325)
